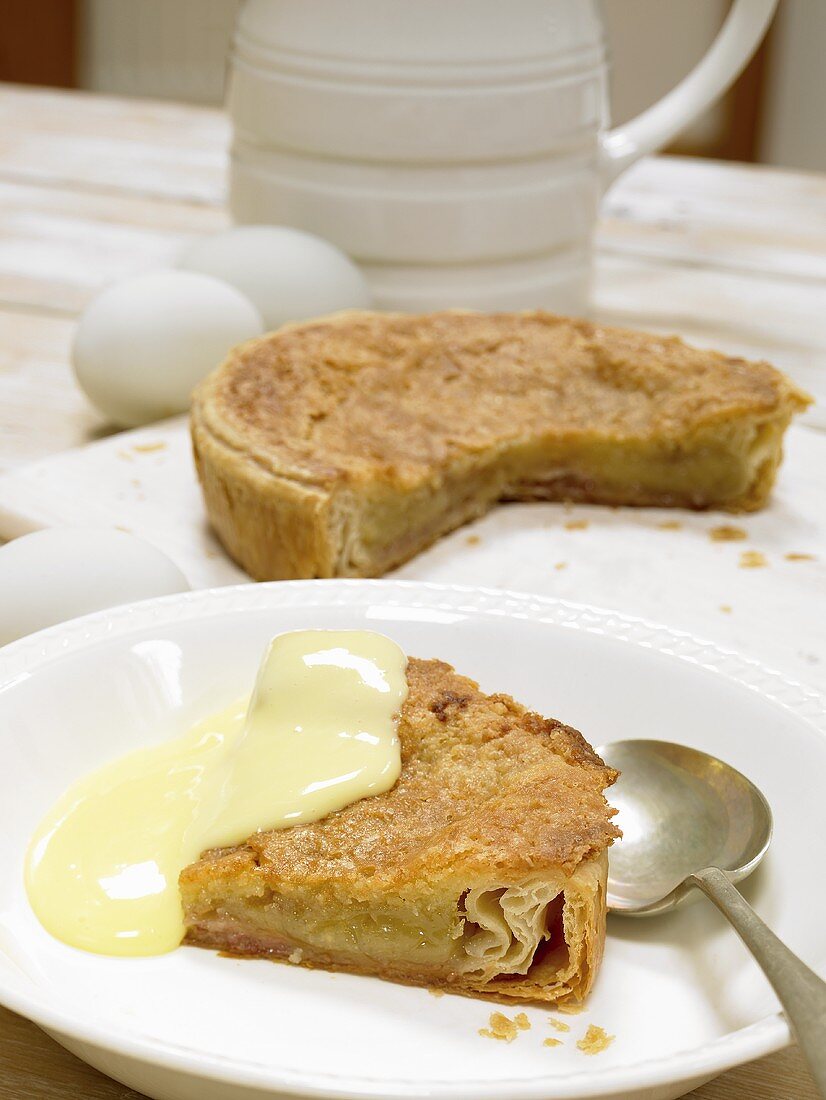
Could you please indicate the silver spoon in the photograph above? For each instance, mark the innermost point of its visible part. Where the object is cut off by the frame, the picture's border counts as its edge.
(690, 820)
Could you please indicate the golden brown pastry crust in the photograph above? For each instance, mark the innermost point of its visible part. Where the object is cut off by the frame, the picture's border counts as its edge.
(498, 817)
(343, 446)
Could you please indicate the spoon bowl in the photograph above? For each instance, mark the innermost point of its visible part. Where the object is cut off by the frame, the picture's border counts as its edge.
(680, 810)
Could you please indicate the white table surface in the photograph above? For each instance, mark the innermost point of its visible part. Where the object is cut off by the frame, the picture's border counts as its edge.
(93, 189)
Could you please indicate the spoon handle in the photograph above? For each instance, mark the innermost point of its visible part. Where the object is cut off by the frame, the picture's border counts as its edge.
(800, 991)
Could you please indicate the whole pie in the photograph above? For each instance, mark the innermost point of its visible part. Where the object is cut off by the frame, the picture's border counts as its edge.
(483, 870)
(344, 446)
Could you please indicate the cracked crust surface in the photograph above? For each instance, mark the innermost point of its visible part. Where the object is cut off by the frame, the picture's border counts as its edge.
(368, 435)
(498, 821)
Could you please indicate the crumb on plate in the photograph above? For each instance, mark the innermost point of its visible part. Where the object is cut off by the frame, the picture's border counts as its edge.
(148, 448)
(558, 1025)
(551, 1042)
(561, 565)
(576, 525)
(752, 559)
(472, 540)
(595, 1040)
(726, 608)
(436, 992)
(502, 1027)
(670, 525)
(727, 532)
(799, 557)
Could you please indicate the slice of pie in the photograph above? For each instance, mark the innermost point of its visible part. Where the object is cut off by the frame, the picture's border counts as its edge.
(482, 871)
(344, 446)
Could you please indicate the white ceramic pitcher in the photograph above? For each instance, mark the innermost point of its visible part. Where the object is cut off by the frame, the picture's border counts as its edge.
(455, 148)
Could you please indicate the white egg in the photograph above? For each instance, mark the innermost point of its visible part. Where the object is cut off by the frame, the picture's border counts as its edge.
(289, 275)
(143, 345)
(54, 575)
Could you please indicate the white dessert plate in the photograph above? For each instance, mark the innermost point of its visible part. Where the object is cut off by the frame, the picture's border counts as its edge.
(679, 993)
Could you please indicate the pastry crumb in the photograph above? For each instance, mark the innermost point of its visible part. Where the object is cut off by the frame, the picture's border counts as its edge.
(136, 482)
(561, 565)
(551, 1042)
(799, 557)
(436, 992)
(576, 525)
(726, 532)
(595, 1040)
(126, 456)
(472, 540)
(126, 530)
(296, 955)
(558, 1025)
(752, 559)
(148, 448)
(670, 525)
(570, 1010)
(725, 608)
(503, 1028)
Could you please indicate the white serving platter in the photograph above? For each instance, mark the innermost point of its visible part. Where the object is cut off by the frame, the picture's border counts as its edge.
(144, 481)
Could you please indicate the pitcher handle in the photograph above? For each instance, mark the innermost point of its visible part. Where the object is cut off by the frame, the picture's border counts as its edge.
(727, 56)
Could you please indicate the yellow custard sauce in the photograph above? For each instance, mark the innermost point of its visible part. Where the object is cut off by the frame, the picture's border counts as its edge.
(319, 733)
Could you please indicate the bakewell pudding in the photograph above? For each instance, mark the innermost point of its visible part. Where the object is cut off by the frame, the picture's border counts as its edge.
(482, 871)
(344, 446)
(362, 811)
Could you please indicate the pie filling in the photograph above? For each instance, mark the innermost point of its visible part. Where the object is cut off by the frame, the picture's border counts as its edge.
(388, 526)
(488, 934)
